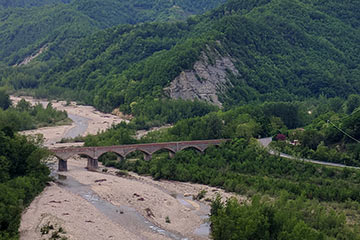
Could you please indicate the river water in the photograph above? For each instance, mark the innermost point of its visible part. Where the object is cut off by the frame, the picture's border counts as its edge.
(81, 125)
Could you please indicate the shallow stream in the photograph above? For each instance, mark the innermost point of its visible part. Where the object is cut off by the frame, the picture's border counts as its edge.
(81, 125)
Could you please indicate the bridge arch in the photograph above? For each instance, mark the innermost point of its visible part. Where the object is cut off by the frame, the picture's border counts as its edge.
(115, 152)
(83, 155)
(168, 149)
(164, 148)
(192, 147)
(147, 155)
(211, 146)
(93, 153)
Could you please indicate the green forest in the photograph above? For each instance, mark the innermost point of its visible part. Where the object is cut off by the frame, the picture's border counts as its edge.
(332, 136)
(23, 175)
(297, 81)
(57, 25)
(313, 201)
(23, 116)
(283, 51)
(317, 201)
(282, 219)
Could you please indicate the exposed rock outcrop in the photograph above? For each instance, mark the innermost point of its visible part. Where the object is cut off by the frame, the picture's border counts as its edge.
(206, 80)
(28, 59)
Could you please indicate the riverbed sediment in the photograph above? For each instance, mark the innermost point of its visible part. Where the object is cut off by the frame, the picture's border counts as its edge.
(165, 209)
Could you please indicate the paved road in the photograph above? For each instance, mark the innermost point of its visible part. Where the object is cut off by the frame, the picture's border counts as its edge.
(266, 141)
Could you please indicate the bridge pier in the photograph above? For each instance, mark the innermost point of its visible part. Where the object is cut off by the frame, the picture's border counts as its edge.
(92, 164)
(62, 167)
(171, 154)
(147, 157)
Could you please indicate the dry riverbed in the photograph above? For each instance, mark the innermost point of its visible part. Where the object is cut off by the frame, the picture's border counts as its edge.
(96, 121)
(155, 200)
(98, 205)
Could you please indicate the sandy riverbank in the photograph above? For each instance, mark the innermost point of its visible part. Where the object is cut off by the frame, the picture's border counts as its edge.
(97, 121)
(81, 219)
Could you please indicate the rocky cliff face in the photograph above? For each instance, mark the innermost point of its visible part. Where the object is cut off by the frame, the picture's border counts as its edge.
(206, 80)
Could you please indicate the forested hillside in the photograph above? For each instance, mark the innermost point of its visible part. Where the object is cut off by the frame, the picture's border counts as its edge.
(274, 66)
(281, 50)
(23, 175)
(29, 3)
(27, 26)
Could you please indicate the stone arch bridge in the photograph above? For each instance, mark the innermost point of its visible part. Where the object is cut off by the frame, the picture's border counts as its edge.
(93, 153)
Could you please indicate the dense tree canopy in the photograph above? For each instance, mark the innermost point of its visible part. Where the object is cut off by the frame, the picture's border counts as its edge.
(25, 117)
(5, 101)
(283, 219)
(281, 54)
(22, 176)
(57, 25)
(297, 64)
(332, 136)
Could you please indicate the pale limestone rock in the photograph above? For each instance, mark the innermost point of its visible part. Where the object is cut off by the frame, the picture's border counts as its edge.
(206, 80)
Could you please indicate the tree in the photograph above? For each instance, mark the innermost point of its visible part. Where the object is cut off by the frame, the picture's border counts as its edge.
(352, 103)
(287, 112)
(5, 101)
(311, 139)
(23, 105)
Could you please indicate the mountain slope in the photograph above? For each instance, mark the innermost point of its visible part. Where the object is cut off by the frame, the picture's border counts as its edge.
(29, 3)
(275, 50)
(24, 31)
(26, 26)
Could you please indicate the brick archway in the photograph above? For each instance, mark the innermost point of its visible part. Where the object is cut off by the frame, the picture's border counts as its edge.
(93, 153)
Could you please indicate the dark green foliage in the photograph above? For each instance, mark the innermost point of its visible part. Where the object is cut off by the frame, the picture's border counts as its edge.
(22, 177)
(117, 135)
(331, 137)
(27, 26)
(54, 28)
(242, 166)
(288, 112)
(276, 47)
(160, 112)
(24, 116)
(352, 103)
(283, 50)
(29, 3)
(252, 120)
(207, 127)
(352, 126)
(283, 219)
(115, 51)
(5, 101)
